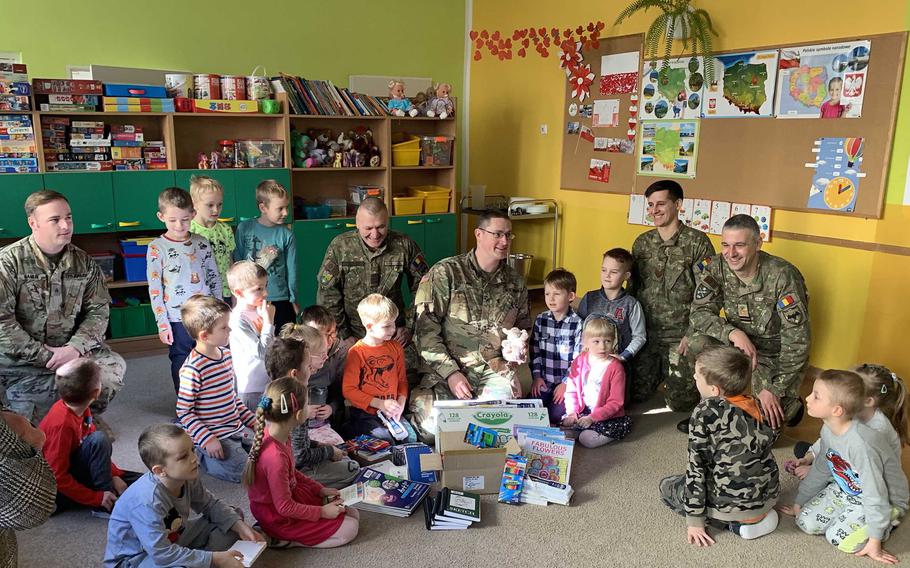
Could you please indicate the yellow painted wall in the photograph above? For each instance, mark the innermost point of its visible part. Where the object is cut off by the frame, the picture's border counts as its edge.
(858, 305)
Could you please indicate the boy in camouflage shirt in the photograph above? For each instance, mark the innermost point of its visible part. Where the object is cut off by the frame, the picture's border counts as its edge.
(732, 478)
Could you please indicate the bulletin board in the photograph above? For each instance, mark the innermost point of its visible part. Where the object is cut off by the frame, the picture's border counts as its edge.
(758, 160)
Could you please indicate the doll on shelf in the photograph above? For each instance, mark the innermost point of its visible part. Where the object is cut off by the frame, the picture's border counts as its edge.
(441, 105)
(203, 161)
(398, 104)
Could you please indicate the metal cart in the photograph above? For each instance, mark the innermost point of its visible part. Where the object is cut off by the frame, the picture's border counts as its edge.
(517, 212)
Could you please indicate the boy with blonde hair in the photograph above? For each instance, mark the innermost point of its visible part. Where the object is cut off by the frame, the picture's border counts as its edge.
(251, 329)
(78, 453)
(268, 242)
(208, 199)
(732, 479)
(208, 407)
(168, 518)
(856, 490)
(180, 265)
(374, 373)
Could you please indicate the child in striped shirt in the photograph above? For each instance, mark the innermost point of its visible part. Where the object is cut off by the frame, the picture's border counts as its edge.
(208, 407)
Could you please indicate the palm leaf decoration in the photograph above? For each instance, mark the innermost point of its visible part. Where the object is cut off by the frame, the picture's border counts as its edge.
(694, 24)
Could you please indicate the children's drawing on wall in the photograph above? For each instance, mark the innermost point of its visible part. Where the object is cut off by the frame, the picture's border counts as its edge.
(822, 81)
(605, 113)
(599, 170)
(742, 86)
(838, 169)
(668, 148)
(676, 94)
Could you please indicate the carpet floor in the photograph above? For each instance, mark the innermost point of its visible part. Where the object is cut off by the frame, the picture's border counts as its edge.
(616, 517)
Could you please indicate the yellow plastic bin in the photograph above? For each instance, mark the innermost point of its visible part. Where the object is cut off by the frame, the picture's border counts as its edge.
(406, 152)
(408, 205)
(436, 197)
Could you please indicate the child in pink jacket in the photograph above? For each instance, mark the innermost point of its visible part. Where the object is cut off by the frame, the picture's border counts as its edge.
(596, 387)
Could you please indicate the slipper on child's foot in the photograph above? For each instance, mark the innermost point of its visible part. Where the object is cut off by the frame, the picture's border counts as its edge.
(763, 527)
(278, 543)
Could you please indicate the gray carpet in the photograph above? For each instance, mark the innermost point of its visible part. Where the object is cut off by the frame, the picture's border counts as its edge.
(615, 519)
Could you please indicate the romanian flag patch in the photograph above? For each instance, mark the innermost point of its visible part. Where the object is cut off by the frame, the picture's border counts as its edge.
(703, 264)
(787, 300)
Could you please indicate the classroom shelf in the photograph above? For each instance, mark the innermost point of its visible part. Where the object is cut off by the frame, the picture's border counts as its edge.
(125, 284)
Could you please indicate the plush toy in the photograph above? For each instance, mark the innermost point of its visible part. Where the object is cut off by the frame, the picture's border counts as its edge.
(515, 345)
(440, 104)
(398, 104)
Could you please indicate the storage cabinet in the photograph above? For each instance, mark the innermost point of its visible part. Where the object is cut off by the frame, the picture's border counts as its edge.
(91, 197)
(136, 198)
(245, 182)
(313, 237)
(15, 189)
(225, 178)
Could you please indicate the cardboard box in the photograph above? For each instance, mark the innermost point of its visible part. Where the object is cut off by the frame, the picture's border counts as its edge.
(499, 418)
(465, 467)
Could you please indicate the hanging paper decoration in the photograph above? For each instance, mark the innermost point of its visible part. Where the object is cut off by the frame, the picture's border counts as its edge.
(570, 56)
(581, 78)
(500, 45)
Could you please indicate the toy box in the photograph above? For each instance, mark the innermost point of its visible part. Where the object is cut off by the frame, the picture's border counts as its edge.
(66, 87)
(114, 90)
(258, 153)
(436, 150)
(225, 106)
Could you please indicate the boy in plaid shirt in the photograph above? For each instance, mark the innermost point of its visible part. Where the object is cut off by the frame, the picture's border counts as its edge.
(555, 342)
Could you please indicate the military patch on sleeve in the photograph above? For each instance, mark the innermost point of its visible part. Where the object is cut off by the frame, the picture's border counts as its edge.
(706, 287)
(328, 273)
(791, 309)
(702, 264)
(419, 264)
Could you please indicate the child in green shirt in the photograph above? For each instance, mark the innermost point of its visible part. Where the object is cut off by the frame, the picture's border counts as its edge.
(208, 199)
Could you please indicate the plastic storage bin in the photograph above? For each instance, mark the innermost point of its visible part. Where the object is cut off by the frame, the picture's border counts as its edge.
(259, 153)
(436, 198)
(134, 259)
(317, 211)
(407, 152)
(337, 207)
(361, 192)
(436, 150)
(132, 321)
(408, 205)
(105, 261)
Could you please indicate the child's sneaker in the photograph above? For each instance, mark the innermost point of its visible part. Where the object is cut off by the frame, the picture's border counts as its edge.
(755, 530)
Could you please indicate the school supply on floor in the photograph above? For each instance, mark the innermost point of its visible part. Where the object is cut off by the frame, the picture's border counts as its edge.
(513, 478)
(408, 455)
(548, 468)
(389, 495)
(366, 446)
(459, 505)
(250, 550)
(481, 437)
(430, 505)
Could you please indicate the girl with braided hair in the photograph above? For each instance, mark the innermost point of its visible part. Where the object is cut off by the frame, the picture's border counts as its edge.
(288, 505)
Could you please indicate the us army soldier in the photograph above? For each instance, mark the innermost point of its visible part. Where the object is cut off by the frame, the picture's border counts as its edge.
(765, 314)
(369, 260)
(54, 308)
(663, 280)
(463, 304)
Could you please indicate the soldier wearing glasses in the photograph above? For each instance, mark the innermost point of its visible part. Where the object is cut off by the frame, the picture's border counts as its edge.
(463, 304)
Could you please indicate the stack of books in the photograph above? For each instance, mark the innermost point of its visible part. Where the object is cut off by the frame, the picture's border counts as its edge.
(18, 151)
(549, 464)
(324, 98)
(383, 493)
(14, 87)
(67, 95)
(126, 147)
(451, 510)
(367, 448)
(86, 148)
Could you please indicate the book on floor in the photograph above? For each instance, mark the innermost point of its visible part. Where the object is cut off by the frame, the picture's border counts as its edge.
(433, 523)
(389, 495)
(250, 549)
(549, 459)
(454, 504)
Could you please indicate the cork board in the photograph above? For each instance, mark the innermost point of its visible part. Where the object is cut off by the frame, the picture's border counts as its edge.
(762, 160)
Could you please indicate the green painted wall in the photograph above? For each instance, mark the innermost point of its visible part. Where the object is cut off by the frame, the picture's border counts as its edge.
(323, 39)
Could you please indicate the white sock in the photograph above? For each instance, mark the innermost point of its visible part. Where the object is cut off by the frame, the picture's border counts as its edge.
(761, 528)
(591, 439)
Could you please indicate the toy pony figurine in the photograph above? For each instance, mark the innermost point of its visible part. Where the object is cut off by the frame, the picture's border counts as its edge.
(398, 104)
(441, 105)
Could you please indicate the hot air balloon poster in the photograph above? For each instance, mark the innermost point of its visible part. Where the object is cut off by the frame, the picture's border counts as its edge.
(838, 170)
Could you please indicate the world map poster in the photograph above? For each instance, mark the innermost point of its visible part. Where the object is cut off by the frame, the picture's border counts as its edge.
(676, 95)
(822, 81)
(668, 148)
(742, 86)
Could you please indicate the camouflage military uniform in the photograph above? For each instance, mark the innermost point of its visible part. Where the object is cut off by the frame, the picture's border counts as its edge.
(461, 311)
(663, 281)
(732, 475)
(772, 310)
(63, 305)
(350, 272)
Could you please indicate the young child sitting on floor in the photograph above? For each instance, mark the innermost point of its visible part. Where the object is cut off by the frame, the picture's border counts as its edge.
(325, 384)
(208, 407)
(374, 373)
(596, 388)
(555, 342)
(251, 329)
(167, 517)
(732, 479)
(326, 464)
(80, 455)
(856, 494)
(288, 505)
(884, 410)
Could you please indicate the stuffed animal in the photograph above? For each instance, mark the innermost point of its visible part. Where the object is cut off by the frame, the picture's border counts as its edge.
(515, 345)
(440, 104)
(398, 104)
